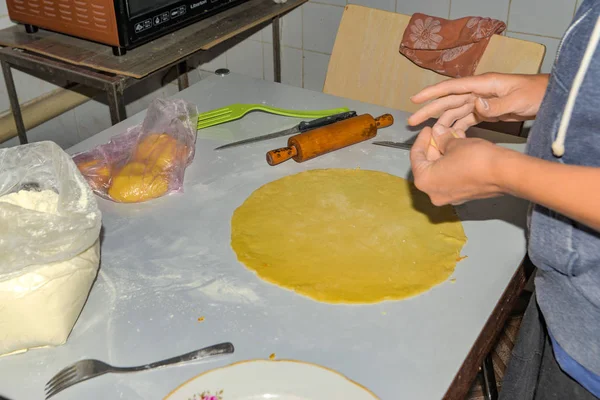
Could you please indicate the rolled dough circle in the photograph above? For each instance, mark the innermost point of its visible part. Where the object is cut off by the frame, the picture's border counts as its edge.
(347, 236)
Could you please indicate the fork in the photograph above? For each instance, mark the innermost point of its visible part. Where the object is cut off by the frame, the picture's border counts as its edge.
(397, 145)
(402, 145)
(88, 369)
(236, 111)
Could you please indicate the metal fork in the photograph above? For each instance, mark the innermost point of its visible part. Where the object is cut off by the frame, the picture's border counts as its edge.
(88, 369)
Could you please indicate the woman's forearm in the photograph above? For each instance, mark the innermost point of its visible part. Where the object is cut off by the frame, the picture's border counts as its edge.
(573, 191)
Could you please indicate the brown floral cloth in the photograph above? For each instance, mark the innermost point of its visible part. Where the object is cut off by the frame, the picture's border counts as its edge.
(448, 47)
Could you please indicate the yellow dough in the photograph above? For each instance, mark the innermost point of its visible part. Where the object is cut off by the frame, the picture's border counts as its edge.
(347, 236)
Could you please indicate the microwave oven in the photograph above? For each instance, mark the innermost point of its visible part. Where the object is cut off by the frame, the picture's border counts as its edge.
(122, 24)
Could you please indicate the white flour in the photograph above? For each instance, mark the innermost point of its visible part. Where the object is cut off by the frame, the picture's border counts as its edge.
(45, 201)
(40, 307)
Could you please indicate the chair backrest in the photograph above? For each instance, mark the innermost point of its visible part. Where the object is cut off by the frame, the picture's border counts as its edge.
(366, 65)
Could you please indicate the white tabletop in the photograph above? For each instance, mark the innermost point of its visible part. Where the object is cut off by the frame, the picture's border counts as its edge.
(168, 262)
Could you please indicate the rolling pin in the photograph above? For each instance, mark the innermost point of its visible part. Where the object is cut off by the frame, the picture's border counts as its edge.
(311, 144)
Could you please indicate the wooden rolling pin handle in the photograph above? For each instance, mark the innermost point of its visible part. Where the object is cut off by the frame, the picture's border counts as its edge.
(384, 121)
(278, 156)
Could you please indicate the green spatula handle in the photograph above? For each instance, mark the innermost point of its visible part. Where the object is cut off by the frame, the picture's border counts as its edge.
(302, 113)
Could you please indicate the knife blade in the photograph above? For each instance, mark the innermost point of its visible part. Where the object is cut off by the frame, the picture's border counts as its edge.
(301, 127)
(397, 145)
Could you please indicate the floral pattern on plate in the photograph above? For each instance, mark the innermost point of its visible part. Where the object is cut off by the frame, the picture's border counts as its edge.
(208, 396)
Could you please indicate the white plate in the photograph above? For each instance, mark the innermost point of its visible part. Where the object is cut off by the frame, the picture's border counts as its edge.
(270, 380)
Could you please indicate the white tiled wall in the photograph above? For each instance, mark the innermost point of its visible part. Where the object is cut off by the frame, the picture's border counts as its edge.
(311, 30)
(438, 8)
(524, 16)
(497, 9)
(308, 34)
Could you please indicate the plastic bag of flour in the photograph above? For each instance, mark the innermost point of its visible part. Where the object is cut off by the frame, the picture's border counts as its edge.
(49, 245)
(148, 160)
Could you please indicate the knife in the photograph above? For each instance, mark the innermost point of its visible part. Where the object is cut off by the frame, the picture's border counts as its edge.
(301, 127)
(397, 145)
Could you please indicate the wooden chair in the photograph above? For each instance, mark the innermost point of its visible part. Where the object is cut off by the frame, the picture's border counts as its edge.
(366, 65)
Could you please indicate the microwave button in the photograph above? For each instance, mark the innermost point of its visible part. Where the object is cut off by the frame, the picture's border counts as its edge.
(182, 10)
(156, 20)
(165, 17)
(175, 12)
(148, 24)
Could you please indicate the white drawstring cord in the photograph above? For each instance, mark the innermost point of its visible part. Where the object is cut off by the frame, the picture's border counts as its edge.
(558, 147)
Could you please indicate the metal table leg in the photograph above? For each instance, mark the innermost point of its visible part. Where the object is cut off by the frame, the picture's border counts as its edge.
(116, 103)
(14, 102)
(489, 386)
(276, 50)
(182, 76)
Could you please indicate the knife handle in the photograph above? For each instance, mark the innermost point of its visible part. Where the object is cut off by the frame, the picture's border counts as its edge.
(319, 122)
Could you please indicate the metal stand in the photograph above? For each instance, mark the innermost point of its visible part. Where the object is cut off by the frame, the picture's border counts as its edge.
(14, 102)
(183, 81)
(276, 51)
(54, 70)
(116, 105)
(489, 386)
(59, 69)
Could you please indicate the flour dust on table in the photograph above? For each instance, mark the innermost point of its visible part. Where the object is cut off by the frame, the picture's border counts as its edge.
(347, 236)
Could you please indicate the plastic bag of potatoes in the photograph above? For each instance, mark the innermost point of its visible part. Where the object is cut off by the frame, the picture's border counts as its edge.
(147, 161)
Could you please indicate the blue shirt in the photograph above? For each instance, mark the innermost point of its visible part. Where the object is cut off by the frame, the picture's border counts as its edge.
(566, 252)
(581, 374)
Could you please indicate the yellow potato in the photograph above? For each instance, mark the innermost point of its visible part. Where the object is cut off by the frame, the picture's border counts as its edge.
(97, 174)
(161, 151)
(137, 182)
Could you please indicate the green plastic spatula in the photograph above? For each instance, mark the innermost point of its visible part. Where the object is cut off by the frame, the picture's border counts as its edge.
(236, 111)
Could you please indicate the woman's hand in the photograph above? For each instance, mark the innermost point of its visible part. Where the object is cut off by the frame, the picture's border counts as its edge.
(464, 102)
(469, 169)
(457, 171)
